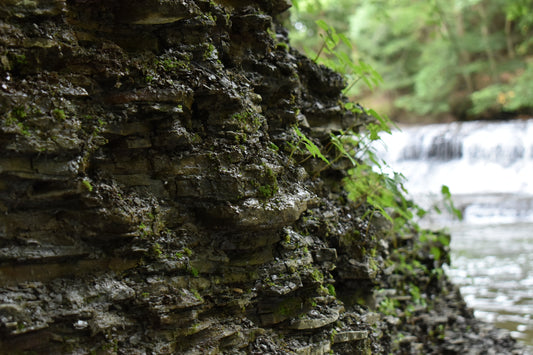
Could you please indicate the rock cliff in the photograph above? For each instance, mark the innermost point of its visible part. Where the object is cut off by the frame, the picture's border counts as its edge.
(151, 201)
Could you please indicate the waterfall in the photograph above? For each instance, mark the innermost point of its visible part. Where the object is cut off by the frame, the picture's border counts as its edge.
(488, 166)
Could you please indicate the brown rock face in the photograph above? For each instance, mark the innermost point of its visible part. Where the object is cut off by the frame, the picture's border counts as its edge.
(151, 203)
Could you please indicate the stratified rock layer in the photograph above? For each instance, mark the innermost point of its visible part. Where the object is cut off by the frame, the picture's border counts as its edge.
(151, 201)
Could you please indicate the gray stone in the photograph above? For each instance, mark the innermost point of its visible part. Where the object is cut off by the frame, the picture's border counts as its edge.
(325, 254)
(321, 320)
(351, 335)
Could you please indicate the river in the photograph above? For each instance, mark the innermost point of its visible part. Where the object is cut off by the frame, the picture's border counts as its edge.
(488, 167)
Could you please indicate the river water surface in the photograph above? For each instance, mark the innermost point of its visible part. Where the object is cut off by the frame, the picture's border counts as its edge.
(489, 170)
(493, 266)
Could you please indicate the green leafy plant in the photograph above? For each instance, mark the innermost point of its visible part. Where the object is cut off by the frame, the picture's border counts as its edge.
(332, 335)
(87, 184)
(317, 275)
(309, 146)
(21, 59)
(23, 129)
(388, 306)
(266, 191)
(416, 295)
(197, 294)
(19, 113)
(157, 249)
(370, 180)
(448, 203)
(435, 242)
(143, 230)
(59, 114)
(331, 290)
(193, 271)
(367, 182)
(331, 55)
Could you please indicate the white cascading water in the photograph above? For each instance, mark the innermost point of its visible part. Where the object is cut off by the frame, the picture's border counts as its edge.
(488, 167)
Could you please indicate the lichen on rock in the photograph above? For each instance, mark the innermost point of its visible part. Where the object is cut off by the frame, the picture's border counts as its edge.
(151, 203)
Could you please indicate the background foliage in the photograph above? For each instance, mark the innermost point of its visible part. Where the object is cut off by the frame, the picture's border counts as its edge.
(439, 58)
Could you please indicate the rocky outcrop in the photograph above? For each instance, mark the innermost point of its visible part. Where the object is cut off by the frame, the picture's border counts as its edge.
(151, 201)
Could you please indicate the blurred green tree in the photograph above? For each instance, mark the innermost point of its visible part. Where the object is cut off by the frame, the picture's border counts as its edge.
(470, 58)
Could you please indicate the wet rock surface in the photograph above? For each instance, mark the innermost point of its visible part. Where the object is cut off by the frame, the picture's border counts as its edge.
(151, 203)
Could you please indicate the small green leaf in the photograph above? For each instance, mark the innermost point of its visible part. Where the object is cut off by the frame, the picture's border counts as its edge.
(343, 58)
(420, 212)
(445, 191)
(334, 37)
(87, 185)
(436, 253)
(322, 24)
(309, 145)
(367, 82)
(345, 40)
(444, 239)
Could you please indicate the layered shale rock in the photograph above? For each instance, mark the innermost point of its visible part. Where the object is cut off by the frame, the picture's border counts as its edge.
(151, 201)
